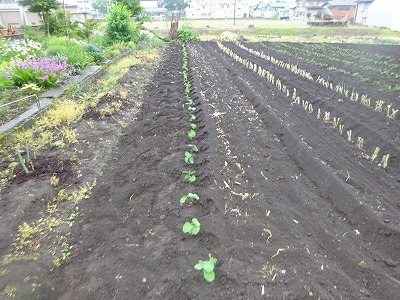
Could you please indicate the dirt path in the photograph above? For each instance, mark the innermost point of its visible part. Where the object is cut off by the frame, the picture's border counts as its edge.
(286, 207)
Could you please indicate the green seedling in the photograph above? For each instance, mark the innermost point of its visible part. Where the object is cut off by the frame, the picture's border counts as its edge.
(194, 148)
(192, 118)
(74, 214)
(189, 196)
(189, 159)
(362, 264)
(189, 176)
(192, 108)
(375, 154)
(190, 102)
(208, 267)
(192, 228)
(193, 126)
(22, 161)
(384, 161)
(191, 134)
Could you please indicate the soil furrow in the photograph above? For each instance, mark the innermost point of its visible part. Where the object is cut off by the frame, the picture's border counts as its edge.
(345, 255)
(336, 152)
(386, 137)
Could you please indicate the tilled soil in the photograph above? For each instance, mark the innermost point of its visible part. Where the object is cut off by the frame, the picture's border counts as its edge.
(287, 206)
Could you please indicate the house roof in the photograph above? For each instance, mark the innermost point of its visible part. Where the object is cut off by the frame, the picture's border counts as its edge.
(342, 3)
(277, 5)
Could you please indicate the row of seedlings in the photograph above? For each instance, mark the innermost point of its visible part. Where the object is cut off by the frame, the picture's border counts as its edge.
(192, 227)
(349, 93)
(325, 116)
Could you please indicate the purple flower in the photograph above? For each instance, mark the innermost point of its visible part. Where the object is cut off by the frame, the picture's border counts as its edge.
(7, 74)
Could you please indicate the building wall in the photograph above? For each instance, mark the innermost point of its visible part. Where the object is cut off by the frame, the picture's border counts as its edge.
(149, 3)
(343, 13)
(219, 9)
(362, 12)
(15, 15)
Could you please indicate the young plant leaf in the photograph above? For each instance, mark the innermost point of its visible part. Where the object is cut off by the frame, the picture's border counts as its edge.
(193, 126)
(193, 196)
(192, 118)
(191, 134)
(194, 148)
(183, 199)
(209, 276)
(199, 265)
(189, 159)
(187, 227)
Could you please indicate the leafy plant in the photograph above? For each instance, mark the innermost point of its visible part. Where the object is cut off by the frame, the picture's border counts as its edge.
(192, 228)
(191, 134)
(193, 126)
(189, 159)
(120, 28)
(190, 196)
(208, 267)
(192, 117)
(189, 176)
(186, 34)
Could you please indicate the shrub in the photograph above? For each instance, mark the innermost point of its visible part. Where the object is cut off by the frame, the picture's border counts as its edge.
(119, 25)
(186, 33)
(97, 56)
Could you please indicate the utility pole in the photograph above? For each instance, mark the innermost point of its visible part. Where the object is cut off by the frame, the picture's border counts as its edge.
(234, 13)
(65, 20)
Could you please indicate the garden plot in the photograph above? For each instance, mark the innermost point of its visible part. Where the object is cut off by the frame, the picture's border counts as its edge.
(280, 204)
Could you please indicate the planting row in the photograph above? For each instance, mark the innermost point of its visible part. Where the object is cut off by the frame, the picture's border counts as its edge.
(342, 88)
(376, 69)
(192, 227)
(310, 104)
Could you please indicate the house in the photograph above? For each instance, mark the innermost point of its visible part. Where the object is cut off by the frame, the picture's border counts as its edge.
(343, 10)
(219, 9)
(257, 10)
(152, 7)
(13, 14)
(268, 9)
(384, 13)
(308, 9)
(362, 7)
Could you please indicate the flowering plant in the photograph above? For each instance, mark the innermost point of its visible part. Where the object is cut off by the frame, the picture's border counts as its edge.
(43, 71)
(19, 49)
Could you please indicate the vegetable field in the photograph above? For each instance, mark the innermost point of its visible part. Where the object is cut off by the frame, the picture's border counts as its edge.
(253, 171)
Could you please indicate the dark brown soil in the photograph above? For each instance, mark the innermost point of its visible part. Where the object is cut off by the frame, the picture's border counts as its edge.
(289, 208)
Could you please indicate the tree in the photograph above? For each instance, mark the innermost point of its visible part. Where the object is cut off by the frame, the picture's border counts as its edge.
(132, 5)
(120, 28)
(175, 4)
(42, 7)
(101, 6)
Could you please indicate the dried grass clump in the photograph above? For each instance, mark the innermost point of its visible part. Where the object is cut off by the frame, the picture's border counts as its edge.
(228, 36)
